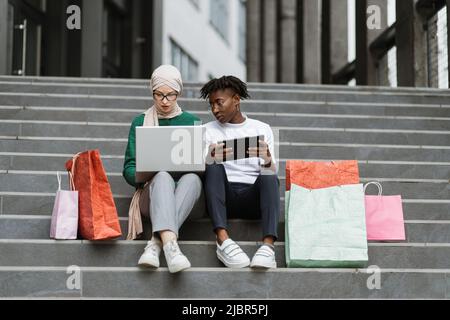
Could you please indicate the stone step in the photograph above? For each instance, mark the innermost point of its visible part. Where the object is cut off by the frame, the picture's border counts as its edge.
(272, 93)
(362, 152)
(52, 162)
(59, 82)
(41, 253)
(114, 164)
(250, 107)
(285, 135)
(107, 282)
(282, 134)
(38, 227)
(431, 154)
(115, 82)
(85, 100)
(312, 121)
(20, 155)
(113, 254)
(403, 132)
(20, 203)
(58, 149)
(124, 117)
(47, 183)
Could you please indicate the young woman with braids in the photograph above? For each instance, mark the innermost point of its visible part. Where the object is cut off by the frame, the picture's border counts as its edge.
(245, 188)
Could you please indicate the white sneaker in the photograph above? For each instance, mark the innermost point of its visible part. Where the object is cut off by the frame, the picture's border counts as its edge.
(150, 257)
(176, 261)
(264, 258)
(232, 255)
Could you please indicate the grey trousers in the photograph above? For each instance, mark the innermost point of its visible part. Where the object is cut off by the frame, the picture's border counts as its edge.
(168, 204)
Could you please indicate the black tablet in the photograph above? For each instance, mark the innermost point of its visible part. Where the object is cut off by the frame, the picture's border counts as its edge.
(240, 146)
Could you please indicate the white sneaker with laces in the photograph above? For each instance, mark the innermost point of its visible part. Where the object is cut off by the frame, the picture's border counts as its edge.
(264, 258)
(150, 257)
(176, 260)
(232, 255)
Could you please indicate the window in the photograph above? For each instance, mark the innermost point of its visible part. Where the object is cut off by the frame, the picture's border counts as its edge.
(10, 36)
(392, 66)
(242, 30)
(187, 65)
(387, 69)
(438, 50)
(112, 41)
(219, 14)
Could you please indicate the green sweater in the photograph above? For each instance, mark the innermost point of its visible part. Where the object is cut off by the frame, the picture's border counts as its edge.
(129, 167)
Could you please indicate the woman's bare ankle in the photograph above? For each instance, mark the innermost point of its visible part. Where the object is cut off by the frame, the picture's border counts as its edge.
(167, 236)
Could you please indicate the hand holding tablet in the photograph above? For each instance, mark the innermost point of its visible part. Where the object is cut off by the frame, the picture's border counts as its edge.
(242, 148)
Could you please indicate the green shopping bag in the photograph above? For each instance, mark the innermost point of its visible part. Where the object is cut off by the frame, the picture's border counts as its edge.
(326, 228)
(287, 197)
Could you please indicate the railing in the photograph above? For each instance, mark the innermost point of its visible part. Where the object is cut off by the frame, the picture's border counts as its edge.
(345, 75)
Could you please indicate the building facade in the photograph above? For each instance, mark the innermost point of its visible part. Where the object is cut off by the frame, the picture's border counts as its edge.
(348, 42)
(364, 42)
(204, 38)
(122, 38)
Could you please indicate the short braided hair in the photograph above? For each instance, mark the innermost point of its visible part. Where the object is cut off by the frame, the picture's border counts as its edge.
(226, 82)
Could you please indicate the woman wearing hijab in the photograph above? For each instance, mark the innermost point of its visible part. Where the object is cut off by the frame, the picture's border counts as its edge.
(167, 203)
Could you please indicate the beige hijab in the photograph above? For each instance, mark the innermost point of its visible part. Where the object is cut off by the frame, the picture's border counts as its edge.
(165, 75)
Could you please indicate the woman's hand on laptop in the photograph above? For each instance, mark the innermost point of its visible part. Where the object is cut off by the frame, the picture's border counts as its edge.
(218, 154)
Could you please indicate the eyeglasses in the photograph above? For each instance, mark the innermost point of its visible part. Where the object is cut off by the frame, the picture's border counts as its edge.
(160, 97)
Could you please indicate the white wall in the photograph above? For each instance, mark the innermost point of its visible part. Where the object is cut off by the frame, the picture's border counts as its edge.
(190, 28)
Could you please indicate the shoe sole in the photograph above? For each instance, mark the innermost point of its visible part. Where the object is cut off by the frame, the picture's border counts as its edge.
(230, 265)
(261, 266)
(179, 268)
(148, 264)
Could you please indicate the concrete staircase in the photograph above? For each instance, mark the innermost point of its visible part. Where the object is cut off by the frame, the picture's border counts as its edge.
(401, 137)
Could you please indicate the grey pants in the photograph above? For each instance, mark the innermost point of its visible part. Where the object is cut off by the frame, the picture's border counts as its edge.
(168, 203)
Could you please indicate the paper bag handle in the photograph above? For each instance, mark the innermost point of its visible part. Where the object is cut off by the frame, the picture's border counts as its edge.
(58, 176)
(380, 187)
(71, 172)
(71, 183)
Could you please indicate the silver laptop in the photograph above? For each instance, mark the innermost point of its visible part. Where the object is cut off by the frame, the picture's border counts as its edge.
(172, 149)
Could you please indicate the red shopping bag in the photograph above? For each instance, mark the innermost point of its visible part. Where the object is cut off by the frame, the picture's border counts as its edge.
(319, 175)
(98, 219)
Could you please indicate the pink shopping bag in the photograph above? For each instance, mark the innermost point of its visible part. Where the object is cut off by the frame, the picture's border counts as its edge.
(384, 216)
(64, 225)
